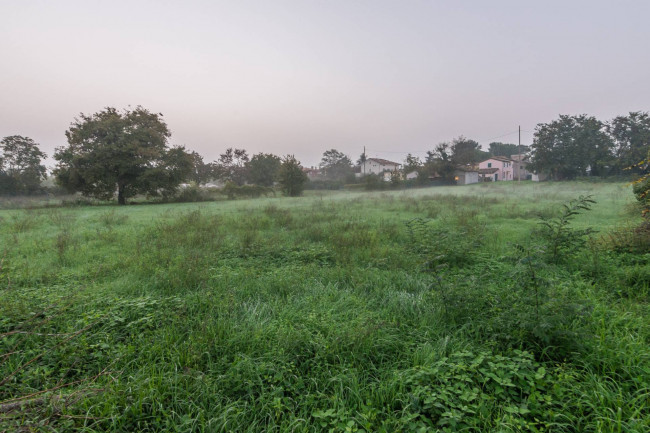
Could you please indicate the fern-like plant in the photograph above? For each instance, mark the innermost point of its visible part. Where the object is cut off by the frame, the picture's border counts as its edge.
(562, 239)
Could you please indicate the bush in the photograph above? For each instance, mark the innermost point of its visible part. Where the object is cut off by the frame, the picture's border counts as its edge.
(192, 193)
(232, 191)
(332, 185)
(374, 183)
(444, 246)
(642, 193)
(460, 392)
(563, 241)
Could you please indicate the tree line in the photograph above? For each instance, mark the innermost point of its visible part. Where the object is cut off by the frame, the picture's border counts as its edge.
(574, 146)
(124, 153)
(564, 149)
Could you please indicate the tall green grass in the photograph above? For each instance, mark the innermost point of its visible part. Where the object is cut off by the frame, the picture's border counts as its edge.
(424, 310)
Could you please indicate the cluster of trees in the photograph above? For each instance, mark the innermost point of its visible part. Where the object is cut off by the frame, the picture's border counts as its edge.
(445, 157)
(439, 162)
(126, 153)
(566, 148)
(574, 146)
(236, 166)
(21, 170)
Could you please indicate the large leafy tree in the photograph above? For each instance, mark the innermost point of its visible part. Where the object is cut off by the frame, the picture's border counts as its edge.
(571, 146)
(336, 165)
(201, 171)
(411, 163)
(631, 135)
(291, 177)
(439, 162)
(21, 171)
(120, 151)
(263, 169)
(506, 149)
(174, 167)
(465, 151)
(232, 166)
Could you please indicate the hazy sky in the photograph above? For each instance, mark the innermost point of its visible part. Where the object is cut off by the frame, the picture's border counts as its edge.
(304, 76)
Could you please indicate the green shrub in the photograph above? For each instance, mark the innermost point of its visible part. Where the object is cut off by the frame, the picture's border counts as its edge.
(475, 392)
(232, 191)
(190, 194)
(642, 193)
(562, 241)
(442, 246)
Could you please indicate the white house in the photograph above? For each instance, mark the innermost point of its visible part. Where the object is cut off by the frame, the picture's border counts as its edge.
(378, 166)
(465, 175)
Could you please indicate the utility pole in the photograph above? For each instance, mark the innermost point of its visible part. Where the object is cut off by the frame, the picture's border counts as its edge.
(364, 160)
(520, 158)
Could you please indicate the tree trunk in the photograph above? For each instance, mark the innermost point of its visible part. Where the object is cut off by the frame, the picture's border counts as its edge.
(120, 194)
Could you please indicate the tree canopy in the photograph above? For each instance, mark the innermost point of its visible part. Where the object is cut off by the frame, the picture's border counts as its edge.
(411, 163)
(201, 172)
(631, 135)
(263, 169)
(291, 177)
(445, 157)
(506, 149)
(571, 146)
(336, 165)
(21, 171)
(124, 151)
(465, 151)
(232, 166)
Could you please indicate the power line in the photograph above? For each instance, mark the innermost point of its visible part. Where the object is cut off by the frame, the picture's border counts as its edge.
(397, 151)
(425, 151)
(501, 136)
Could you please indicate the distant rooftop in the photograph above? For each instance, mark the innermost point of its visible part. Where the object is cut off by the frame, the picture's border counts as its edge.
(383, 161)
(501, 158)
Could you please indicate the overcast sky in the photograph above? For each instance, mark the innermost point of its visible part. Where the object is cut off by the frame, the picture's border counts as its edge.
(304, 76)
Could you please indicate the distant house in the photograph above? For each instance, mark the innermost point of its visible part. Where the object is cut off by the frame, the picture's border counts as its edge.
(388, 176)
(312, 173)
(504, 168)
(520, 171)
(465, 175)
(411, 175)
(378, 166)
(488, 174)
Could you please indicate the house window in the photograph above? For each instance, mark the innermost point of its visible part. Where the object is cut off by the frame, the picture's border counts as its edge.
(521, 167)
(489, 165)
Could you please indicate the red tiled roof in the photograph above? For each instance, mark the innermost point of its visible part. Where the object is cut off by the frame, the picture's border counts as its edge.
(500, 158)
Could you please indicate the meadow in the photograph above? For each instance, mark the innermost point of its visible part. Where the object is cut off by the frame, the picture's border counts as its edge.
(474, 308)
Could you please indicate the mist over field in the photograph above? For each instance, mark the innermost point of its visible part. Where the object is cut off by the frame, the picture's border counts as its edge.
(307, 216)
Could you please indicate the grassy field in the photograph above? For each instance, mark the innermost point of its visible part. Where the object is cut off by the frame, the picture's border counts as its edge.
(438, 309)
